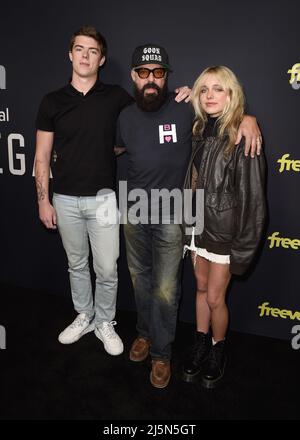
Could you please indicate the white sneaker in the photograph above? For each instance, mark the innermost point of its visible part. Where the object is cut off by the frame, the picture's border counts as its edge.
(79, 327)
(111, 340)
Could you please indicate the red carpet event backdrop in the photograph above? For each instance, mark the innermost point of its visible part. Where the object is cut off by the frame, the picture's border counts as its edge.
(259, 41)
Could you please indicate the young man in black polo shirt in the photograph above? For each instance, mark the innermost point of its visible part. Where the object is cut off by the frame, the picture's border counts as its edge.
(78, 122)
(156, 133)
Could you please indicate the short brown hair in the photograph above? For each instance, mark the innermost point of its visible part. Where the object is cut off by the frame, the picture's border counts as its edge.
(90, 31)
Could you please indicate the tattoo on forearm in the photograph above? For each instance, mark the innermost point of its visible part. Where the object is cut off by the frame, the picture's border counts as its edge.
(39, 179)
(41, 192)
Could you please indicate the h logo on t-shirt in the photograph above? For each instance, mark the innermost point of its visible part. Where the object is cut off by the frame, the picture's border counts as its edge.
(167, 133)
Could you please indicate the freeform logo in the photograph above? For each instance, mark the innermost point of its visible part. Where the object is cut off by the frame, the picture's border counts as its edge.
(295, 76)
(286, 243)
(275, 312)
(2, 78)
(2, 338)
(288, 164)
(167, 133)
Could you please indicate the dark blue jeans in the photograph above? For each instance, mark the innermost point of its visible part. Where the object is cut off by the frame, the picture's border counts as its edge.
(154, 255)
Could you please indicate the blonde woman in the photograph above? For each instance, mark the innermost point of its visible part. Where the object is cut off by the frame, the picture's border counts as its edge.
(234, 214)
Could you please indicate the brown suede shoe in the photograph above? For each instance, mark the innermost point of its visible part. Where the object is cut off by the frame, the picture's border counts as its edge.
(139, 349)
(160, 374)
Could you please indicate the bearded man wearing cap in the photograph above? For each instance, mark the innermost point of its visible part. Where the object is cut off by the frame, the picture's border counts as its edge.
(155, 131)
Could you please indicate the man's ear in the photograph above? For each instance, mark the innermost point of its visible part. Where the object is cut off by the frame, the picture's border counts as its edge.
(70, 56)
(133, 75)
(102, 61)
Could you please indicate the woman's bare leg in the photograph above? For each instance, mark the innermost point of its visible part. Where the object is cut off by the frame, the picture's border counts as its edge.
(198, 353)
(218, 280)
(203, 314)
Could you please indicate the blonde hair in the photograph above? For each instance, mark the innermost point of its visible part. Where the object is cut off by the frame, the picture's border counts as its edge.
(230, 119)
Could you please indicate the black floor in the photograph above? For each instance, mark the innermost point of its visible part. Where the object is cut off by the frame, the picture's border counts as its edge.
(44, 380)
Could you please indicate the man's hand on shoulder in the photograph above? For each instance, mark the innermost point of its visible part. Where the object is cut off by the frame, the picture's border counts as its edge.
(183, 94)
(251, 132)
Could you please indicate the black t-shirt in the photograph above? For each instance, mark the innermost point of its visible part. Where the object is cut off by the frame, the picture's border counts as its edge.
(158, 144)
(84, 133)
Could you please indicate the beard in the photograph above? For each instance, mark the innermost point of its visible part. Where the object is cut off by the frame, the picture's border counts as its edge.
(150, 102)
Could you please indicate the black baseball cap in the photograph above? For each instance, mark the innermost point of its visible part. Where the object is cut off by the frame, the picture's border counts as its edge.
(150, 54)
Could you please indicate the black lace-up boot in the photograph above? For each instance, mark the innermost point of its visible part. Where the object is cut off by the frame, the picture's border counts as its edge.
(214, 367)
(196, 356)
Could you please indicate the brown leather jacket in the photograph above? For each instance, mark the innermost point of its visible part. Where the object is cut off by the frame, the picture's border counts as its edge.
(234, 200)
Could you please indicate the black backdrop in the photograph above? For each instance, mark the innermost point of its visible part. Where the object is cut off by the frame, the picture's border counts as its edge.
(259, 41)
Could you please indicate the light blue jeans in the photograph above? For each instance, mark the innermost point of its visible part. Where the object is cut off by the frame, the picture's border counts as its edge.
(81, 220)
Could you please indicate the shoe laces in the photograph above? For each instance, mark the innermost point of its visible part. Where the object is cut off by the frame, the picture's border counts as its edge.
(107, 328)
(216, 353)
(79, 321)
(199, 347)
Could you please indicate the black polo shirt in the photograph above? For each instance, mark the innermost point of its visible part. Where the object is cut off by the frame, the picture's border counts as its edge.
(84, 134)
